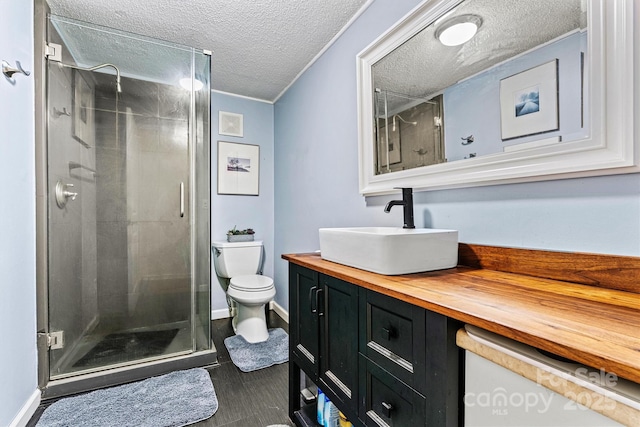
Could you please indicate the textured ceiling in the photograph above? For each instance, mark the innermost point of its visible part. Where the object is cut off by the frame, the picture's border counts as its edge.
(259, 46)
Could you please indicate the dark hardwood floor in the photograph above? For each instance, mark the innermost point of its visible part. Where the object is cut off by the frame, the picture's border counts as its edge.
(252, 399)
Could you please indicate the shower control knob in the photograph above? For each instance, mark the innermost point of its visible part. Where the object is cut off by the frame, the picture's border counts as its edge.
(63, 195)
(69, 193)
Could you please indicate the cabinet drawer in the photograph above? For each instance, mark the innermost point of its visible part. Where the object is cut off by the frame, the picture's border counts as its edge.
(386, 400)
(392, 333)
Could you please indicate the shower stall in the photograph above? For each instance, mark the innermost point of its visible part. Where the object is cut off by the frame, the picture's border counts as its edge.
(123, 140)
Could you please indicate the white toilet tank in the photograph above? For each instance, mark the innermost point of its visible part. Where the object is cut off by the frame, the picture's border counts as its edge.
(237, 258)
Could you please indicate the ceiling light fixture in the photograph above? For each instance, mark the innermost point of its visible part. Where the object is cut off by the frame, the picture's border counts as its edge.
(186, 83)
(458, 30)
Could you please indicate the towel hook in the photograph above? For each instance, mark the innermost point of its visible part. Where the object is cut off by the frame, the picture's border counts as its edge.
(59, 113)
(9, 71)
(468, 140)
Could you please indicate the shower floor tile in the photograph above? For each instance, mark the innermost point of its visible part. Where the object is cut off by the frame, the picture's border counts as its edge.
(122, 347)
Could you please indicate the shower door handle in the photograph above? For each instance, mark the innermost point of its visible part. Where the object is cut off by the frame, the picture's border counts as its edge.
(181, 199)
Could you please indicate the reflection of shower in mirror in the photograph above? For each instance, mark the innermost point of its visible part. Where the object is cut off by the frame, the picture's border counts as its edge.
(400, 117)
(421, 152)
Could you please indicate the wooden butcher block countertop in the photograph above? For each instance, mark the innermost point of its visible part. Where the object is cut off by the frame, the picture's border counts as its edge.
(582, 306)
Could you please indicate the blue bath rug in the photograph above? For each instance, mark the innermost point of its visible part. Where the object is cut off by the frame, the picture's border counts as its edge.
(172, 400)
(251, 357)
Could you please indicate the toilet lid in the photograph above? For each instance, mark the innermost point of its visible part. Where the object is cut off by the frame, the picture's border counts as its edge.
(253, 282)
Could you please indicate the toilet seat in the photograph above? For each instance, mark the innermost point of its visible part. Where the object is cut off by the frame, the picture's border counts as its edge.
(251, 283)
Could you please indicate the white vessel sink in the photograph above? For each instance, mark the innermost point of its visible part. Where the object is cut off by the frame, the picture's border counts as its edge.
(390, 250)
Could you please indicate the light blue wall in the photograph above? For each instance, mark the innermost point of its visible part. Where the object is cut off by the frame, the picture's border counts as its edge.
(472, 107)
(316, 176)
(18, 361)
(316, 156)
(243, 211)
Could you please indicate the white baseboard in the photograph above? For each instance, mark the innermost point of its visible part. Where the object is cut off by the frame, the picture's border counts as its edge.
(27, 411)
(221, 313)
(278, 309)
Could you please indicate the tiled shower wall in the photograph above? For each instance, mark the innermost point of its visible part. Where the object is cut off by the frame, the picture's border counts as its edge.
(143, 243)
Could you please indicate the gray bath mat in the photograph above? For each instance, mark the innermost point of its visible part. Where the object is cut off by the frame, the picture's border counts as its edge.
(251, 357)
(176, 399)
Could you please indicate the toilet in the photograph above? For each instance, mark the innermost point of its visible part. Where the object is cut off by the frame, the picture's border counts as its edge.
(240, 262)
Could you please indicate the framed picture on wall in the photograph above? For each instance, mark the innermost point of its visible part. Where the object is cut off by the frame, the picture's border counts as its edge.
(238, 168)
(529, 101)
(82, 110)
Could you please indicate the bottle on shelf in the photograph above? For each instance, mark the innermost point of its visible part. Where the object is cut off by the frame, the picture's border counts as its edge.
(330, 414)
(320, 407)
(344, 422)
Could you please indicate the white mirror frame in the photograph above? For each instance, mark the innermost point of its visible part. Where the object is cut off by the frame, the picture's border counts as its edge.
(610, 148)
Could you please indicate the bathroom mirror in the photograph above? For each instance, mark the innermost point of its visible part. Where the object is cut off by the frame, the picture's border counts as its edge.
(537, 92)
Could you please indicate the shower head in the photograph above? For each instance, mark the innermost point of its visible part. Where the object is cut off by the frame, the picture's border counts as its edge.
(75, 67)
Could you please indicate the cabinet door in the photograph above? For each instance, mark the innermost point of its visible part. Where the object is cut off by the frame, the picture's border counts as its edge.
(304, 306)
(339, 343)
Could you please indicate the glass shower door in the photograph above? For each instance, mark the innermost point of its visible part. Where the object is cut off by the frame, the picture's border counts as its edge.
(121, 171)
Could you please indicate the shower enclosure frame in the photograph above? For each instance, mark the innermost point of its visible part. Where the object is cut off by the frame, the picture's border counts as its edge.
(112, 376)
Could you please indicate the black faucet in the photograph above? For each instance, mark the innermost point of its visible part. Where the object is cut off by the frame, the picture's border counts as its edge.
(407, 204)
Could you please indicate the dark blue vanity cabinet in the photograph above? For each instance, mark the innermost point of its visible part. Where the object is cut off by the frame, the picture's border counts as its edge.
(382, 361)
(409, 365)
(304, 320)
(324, 337)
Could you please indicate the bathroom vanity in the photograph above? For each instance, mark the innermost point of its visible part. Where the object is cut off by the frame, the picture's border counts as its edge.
(374, 356)
(383, 348)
